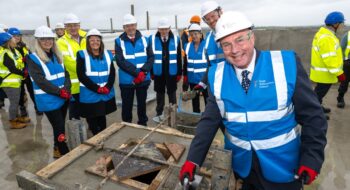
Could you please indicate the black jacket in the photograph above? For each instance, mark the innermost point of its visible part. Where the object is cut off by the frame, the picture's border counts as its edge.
(129, 67)
(166, 80)
(101, 108)
(308, 113)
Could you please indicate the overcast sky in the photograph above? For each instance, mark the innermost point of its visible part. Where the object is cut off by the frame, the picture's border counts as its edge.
(29, 14)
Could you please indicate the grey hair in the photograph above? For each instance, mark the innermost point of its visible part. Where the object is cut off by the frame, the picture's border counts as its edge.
(43, 56)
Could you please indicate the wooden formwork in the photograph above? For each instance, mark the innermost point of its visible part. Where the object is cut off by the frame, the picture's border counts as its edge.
(69, 172)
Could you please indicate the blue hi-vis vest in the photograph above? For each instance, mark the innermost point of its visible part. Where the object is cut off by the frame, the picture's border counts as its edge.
(263, 119)
(137, 55)
(213, 49)
(54, 73)
(97, 70)
(196, 62)
(157, 50)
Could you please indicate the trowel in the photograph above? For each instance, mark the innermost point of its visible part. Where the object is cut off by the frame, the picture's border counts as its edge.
(190, 185)
(189, 95)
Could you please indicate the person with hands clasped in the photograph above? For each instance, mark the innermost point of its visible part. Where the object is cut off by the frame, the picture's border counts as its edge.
(167, 66)
(134, 58)
(96, 74)
(274, 124)
(195, 65)
(51, 84)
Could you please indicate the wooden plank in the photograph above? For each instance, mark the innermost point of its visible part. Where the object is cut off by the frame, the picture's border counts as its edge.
(176, 150)
(160, 176)
(64, 161)
(221, 169)
(105, 134)
(127, 182)
(177, 134)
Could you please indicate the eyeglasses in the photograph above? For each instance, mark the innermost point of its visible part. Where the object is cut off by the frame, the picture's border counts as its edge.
(227, 46)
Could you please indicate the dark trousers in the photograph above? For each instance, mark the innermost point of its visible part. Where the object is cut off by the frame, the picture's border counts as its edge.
(2, 95)
(96, 124)
(74, 112)
(57, 120)
(321, 90)
(343, 87)
(256, 180)
(195, 101)
(161, 101)
(127, 94)
(28, 83)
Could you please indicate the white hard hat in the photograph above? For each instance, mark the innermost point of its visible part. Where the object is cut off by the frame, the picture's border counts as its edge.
(129, 19)
(93, 32)
(231, 22)
(194, 27)
(208, 7)
(163, 23)
(4, 26)
(59, 25)
(44, 32)
(71, 19)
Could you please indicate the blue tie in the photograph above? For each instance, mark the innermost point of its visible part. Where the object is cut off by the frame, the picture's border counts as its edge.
(245, 80)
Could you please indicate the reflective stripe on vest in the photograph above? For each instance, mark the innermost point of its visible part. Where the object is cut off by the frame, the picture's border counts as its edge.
(70, 50)
(134, 56)
(47, 73)
(213, 49)
(88, 65)
(347, 50)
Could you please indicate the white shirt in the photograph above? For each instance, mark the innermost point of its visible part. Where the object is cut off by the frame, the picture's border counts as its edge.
(250, 68)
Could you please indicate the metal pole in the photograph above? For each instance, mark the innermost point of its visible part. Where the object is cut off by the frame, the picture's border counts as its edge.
(48, 21)
(147, 20)
(111, 20)
(176, 22)
(132, 9)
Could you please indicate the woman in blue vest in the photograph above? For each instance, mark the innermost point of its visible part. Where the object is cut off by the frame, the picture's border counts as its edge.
(51, 84)
(195, 65)
(167, 66)
(274, 124)
(96, 74)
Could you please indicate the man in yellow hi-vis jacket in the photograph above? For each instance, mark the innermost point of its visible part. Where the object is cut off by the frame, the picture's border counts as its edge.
(326, 56)
(69, 44)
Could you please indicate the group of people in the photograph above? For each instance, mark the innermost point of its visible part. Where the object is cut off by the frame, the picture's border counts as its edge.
(276, 128)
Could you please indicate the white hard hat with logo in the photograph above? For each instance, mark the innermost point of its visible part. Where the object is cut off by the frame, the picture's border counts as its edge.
(44, 32)
(208, 7)
(231, 22)
(129, 19)
(71, 19)
(59, 25)
(94, 32)
(194, 27)
(163, 23)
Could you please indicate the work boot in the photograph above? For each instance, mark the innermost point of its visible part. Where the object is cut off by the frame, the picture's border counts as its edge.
(326, 110)
(56, 152)
(14, 124)
(327, 117)
(23, 119)
(341, 102)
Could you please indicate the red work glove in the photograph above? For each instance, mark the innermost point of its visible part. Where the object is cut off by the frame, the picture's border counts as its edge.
(25, 73)
(198, 87)
(307, 174)
(61, 138)
(341, 78)
(178, 78)
(140, 78)
(103, 90)
(187, 170)
(65, 94)
(185, 80)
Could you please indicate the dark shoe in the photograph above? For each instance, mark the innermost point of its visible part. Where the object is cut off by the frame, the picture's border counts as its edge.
(341, 102)
(2, 104)
(327, 117)
(326, 110)
(39, 113)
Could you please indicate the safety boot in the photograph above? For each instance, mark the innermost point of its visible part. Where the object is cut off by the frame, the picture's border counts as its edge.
(14, 124)
(341, 102)
(326, 110)
(24, 119)
(56, 152)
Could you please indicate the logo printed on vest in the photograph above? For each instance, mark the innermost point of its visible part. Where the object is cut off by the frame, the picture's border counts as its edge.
(263, 83)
